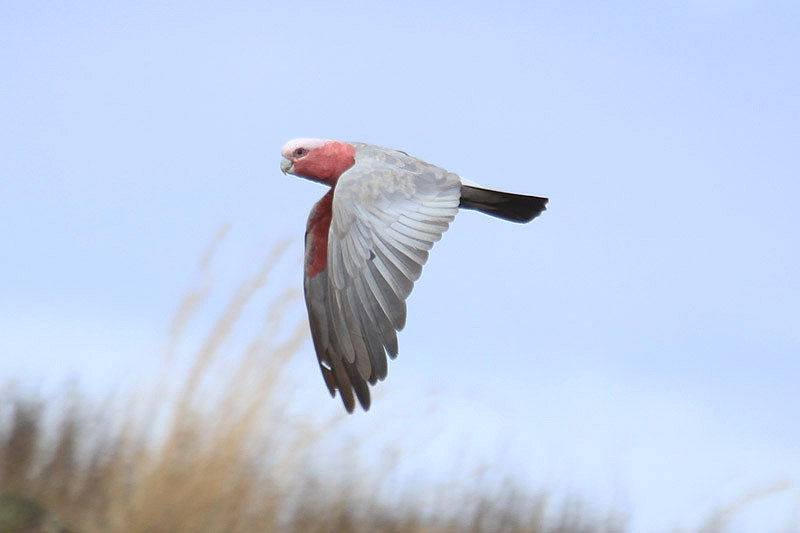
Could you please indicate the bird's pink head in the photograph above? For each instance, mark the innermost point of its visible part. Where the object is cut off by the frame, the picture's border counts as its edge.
(317, 159)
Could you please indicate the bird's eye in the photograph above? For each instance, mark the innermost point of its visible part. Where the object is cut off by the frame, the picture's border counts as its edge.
(299, 152)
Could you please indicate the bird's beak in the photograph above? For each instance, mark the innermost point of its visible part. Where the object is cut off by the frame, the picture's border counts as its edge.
(287, 166)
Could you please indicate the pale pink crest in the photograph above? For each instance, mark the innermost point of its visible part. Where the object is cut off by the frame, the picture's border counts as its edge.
(308, 144)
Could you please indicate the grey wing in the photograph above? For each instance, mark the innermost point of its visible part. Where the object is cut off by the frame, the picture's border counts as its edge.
(334, 370)
(387, 213)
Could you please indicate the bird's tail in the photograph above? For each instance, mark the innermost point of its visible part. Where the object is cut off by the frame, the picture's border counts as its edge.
(505, 205)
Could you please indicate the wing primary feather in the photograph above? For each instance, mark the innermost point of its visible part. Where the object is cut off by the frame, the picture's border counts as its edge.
(380, 307)
(417, 256)
(399, 236)
(358, 334)
(326, 345)
(360, 387)
(410, 268)
(345, 386)
(375, 323)
(342, 333)
(393, 306)
(400, 284)
(330, 379)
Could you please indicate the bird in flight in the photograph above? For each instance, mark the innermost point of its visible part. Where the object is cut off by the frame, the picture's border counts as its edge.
(365, 243)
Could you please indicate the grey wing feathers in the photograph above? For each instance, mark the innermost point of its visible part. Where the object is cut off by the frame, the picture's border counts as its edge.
(388, 210)
(330, 362)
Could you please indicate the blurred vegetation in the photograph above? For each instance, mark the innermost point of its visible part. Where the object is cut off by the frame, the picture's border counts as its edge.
(209, 475)
(200, 480)
(220, 453)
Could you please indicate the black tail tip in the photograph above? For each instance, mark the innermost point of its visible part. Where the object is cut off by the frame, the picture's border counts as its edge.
(508, 206)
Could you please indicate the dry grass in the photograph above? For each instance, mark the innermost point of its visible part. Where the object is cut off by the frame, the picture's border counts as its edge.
(220, 453)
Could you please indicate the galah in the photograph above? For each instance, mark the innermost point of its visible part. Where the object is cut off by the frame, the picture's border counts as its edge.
(365, 243)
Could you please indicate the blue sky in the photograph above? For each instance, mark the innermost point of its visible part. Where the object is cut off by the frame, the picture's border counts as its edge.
(639, 342)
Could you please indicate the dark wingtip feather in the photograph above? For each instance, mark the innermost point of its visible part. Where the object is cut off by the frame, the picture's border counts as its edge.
(359, 386)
